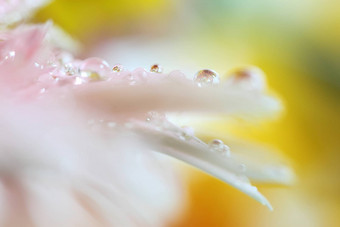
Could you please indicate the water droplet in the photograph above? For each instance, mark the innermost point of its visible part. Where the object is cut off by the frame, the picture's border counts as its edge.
(216, 143)
(186, 133)
(219, 147)
(95, 65)
(188, 130)
(250, 78)
(69, 69)
(206, 77)
(156, 68)
(117, 68)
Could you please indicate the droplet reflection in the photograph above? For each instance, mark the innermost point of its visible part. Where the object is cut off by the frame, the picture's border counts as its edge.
(206, 77)
(117, 68)
(156, 68)
(219, 147)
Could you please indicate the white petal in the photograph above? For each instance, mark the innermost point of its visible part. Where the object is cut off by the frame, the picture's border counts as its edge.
(169, 96)
(195, 152)
(264, 165)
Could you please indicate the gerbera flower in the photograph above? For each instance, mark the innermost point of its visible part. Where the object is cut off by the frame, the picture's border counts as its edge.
(77, 136)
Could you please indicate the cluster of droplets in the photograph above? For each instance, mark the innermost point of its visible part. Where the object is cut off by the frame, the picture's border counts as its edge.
(247, 78)
(186, 133)
(96, 69)
(67, 70)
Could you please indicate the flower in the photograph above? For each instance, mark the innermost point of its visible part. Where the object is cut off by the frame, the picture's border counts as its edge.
(77, 136)
(12, 11)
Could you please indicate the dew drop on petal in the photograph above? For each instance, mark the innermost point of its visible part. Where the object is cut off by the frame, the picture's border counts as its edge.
(250, 78)
(216, 143)
(219, 147)
(188, 130)
(95, 65)
(186, 133)
(156, 68)
(206, 77)
(69, 69)
(117, 68)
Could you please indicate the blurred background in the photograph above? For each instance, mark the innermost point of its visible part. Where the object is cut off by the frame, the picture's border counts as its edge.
(295, 42)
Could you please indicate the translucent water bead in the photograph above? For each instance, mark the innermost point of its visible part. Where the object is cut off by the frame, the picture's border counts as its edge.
(70, 69)
(117, 68)
(95, 65)
(186, 133)
(219, 147)
(249, 77)
(206, 77)
(156, 68)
